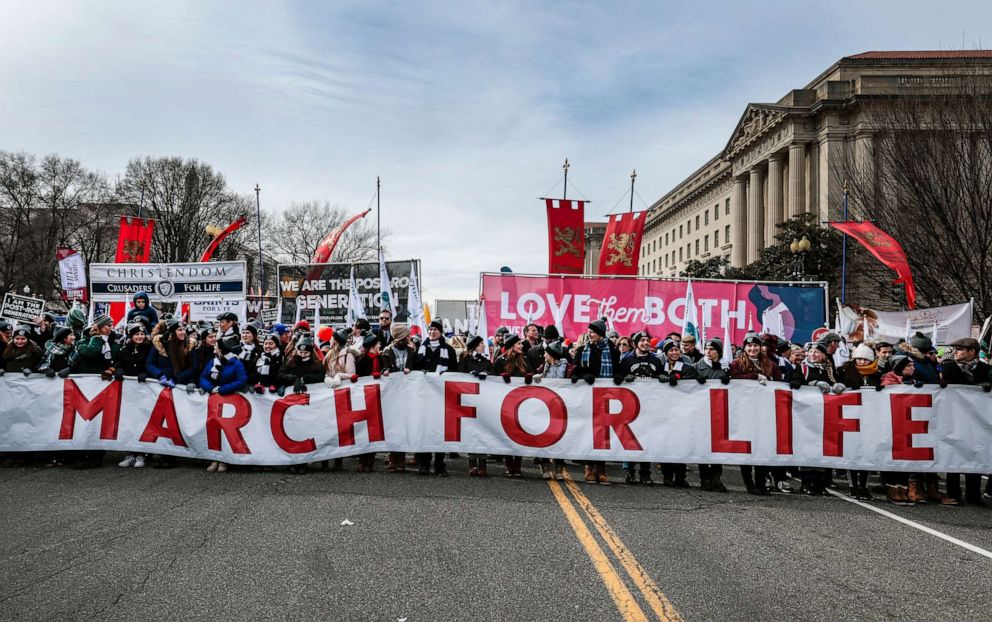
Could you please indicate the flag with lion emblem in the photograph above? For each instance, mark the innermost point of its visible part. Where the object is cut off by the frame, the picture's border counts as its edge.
(566, 236)
(622, 244)
(134, 245)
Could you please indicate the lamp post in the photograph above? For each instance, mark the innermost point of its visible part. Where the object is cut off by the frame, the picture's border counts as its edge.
(799, 250)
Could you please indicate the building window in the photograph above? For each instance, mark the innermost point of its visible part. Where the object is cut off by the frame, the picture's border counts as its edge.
(666, 238)
(716, 239)
(706, 218)
(680, 253)
(680, 232)
(716, 212)
(706, 243)
(727, 207)
(697, 222)
(697, 247)
(726, 234)
(688, 250)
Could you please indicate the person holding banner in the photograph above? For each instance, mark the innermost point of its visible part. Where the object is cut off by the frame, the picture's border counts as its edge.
(224, 374)
(433, 356)
(398, 357)
(250, 352)
(172, 360)
(369, 364)
(710, 367)
(57, 352)
(640, 363)
(513, 364)
(99, 354)
(753, 364)
(132, 359)
(962, 366)
(340, 361)
(21, 354)
(597, 358)
(268, 364)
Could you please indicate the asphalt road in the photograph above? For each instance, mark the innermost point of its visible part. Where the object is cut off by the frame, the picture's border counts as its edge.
(128, 544)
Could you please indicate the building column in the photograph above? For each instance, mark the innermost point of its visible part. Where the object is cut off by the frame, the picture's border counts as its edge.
(738, 253)
(797, 181)
(755, 214)
(776, 207)
(831, 183)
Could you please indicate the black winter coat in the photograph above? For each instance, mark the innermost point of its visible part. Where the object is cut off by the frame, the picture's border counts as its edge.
(475, 363)
(595, 360)
(648, 366)
(133, 357)
(433, 360)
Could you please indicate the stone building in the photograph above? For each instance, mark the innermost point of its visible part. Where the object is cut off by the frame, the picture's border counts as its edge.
(786, 158)
(594, 232)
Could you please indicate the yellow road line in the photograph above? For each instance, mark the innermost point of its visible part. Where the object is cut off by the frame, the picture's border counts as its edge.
(655, 598)
(622, 597)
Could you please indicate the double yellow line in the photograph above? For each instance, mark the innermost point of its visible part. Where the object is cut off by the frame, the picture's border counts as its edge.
(625, 601)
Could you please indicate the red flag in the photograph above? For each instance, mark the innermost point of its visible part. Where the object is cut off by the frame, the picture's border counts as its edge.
(326, 246)
(566, 236)
(134, 242)
(886, 249)
(622, 244)
(231, 228)
(134, 245)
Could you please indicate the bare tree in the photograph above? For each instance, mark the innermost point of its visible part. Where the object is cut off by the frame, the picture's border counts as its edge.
(923, 174)
(295, 233)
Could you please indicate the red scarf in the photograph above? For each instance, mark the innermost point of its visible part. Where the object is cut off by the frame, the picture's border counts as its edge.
(375, 362)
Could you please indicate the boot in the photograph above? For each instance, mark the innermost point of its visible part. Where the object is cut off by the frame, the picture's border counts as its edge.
(557, 470)
(897, 495)
(508, 466)
(546, 471)
(645, 478)
(935, 496)
(601, 476)
(589, 475)
(717, 485)
(628, 476)
(915, 493)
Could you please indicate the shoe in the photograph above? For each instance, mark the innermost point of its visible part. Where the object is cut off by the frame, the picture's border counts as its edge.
(473, 472)
(221, 467)
(915, 494)
(441, 473)
(558, 473)
(897, 495)
(128, 461)
(546, 472)
(212, 467)
(603, 479)
(718, 485)
(361, 468)
(645, 479)
(706, 484)
(629, 477)
(423, 470)
(139, 462)
(667, 481)
(482, 473)
(681, 482)
(784, 486)
(589, 476)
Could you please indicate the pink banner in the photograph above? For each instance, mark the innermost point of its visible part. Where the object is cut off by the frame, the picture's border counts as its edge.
(633, 304)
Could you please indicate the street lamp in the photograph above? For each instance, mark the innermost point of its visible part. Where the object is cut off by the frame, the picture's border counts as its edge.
(799, 250)
(27, 290)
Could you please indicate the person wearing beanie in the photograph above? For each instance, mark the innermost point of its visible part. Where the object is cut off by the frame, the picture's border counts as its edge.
(133, 358)
(598, 357)
(861, 372)
(57, 352)
(641, 363)
(434, 355)
(224, 374)
(917, 349)
(498, 337)
(398, 357)
(142, 308)
(99, 353)
(172, 360)
(302, 367)
(962, 366)
(205, 346)
(675, 367)
(21, 354)
(369, 365)
(340, 360)
(268, 364)
(251, 350)
(513, 363)
(689, 350)
(43, 330)
(710, 367)
(475, 362)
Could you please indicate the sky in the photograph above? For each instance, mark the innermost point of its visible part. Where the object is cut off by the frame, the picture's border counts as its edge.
(466, 110)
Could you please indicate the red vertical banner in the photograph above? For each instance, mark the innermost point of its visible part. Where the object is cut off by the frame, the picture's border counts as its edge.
(886, 249)
(622, 244)
(134, 245)
(566, 236)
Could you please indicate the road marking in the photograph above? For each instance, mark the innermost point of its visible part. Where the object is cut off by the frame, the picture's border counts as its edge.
(659, 603)
(624, 600)
(923, 528)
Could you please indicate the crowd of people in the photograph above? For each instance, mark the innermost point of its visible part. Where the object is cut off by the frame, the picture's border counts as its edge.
(223, 357)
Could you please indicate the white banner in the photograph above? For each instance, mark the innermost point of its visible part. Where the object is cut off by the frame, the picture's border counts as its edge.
(72, 271)
(208, 310)
(950, 323)
(898, 429)
(174, 282)
(21, 308)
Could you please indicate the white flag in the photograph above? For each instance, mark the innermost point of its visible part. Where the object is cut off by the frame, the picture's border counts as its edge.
(416, 307)
(316, 317)
(355, 307)
(909, 328)
(386, 300)
(728, 347)
(483, 326)
(128, 305)
(864, 328)
(690, 319)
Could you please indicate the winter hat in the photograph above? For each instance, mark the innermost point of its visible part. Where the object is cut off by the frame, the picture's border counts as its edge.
(227, 315)
(510, 340)
(251, 328)
(341, 336)
(370, 340)
(716, 344)
(898, 362)
(5, 326)
(556, 350)
(362, 324)
(613, 335)
(829, 338)
(400, 332)
(817, 345)
(60, 334)
(436, 324)
(274, 338)
(770, 342)
(752, 338)
(76, 318)
(204, 333)
(301, 325)
(863, 351)
(230, 345)
(140, 296)
(172, 325)
(48, 317)
(783, 347)
(636, 337)
(502, 330)
(22, 331)
(305, 342)
(551, 333)
(688, 338)
(598, 327)
(668, 344)
(102, 320)
(325, 334)
(965, 343)
(473, 343)
(280, 329)
(134, 328)
(921, 342)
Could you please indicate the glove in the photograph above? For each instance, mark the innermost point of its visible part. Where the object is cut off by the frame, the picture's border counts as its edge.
(216, 390)
(537, 378)
(879, 387)
(376, 375)
(673, 380)
(26, 372)
(725, 378)
(165, 382)
(259, 389)
(299, 386)
(142, 377)
(385, 373)
(762, 379)
(590, 378)
(618, 380)
(528, 378)
(49, 373)
(918, 384)
(943, 385)
(354, 377)
(506, 377)
(823, 386)
(796, 382)
(987, 386)
(191, 388)
(838, 388)
(62, 374)
(329, 381)
(483, 375)
(273, 389)
(281, 391)
(628, 378)
(575, 379)
(700, 380)
(2, 371)
(119, 374)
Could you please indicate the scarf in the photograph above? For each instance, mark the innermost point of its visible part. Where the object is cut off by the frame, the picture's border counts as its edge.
(105, 349)
(246, 351)
(219, 363)
(375, 362)
(824, 367)
(867, 370)
(670, 366)
(557, 370)
(52, 350)
(968, 369)
(605, 362)
(401, 356)
(435, 345)
(265, 362)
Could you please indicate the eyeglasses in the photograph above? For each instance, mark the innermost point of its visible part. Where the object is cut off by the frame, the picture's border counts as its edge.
(384, 318)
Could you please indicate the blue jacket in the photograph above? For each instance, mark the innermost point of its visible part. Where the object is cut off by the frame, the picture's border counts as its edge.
(232, 377)
(159, 364)
(148, 312)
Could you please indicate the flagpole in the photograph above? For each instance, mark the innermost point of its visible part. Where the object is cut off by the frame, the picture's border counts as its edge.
(258, 217)
(633, 176)
(564, 190)
(843, 257)
(378, 211)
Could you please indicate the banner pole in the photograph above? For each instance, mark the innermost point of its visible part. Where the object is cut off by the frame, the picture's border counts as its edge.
(258, 218)
(633, 176)
(843, 260)
(564, 188)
